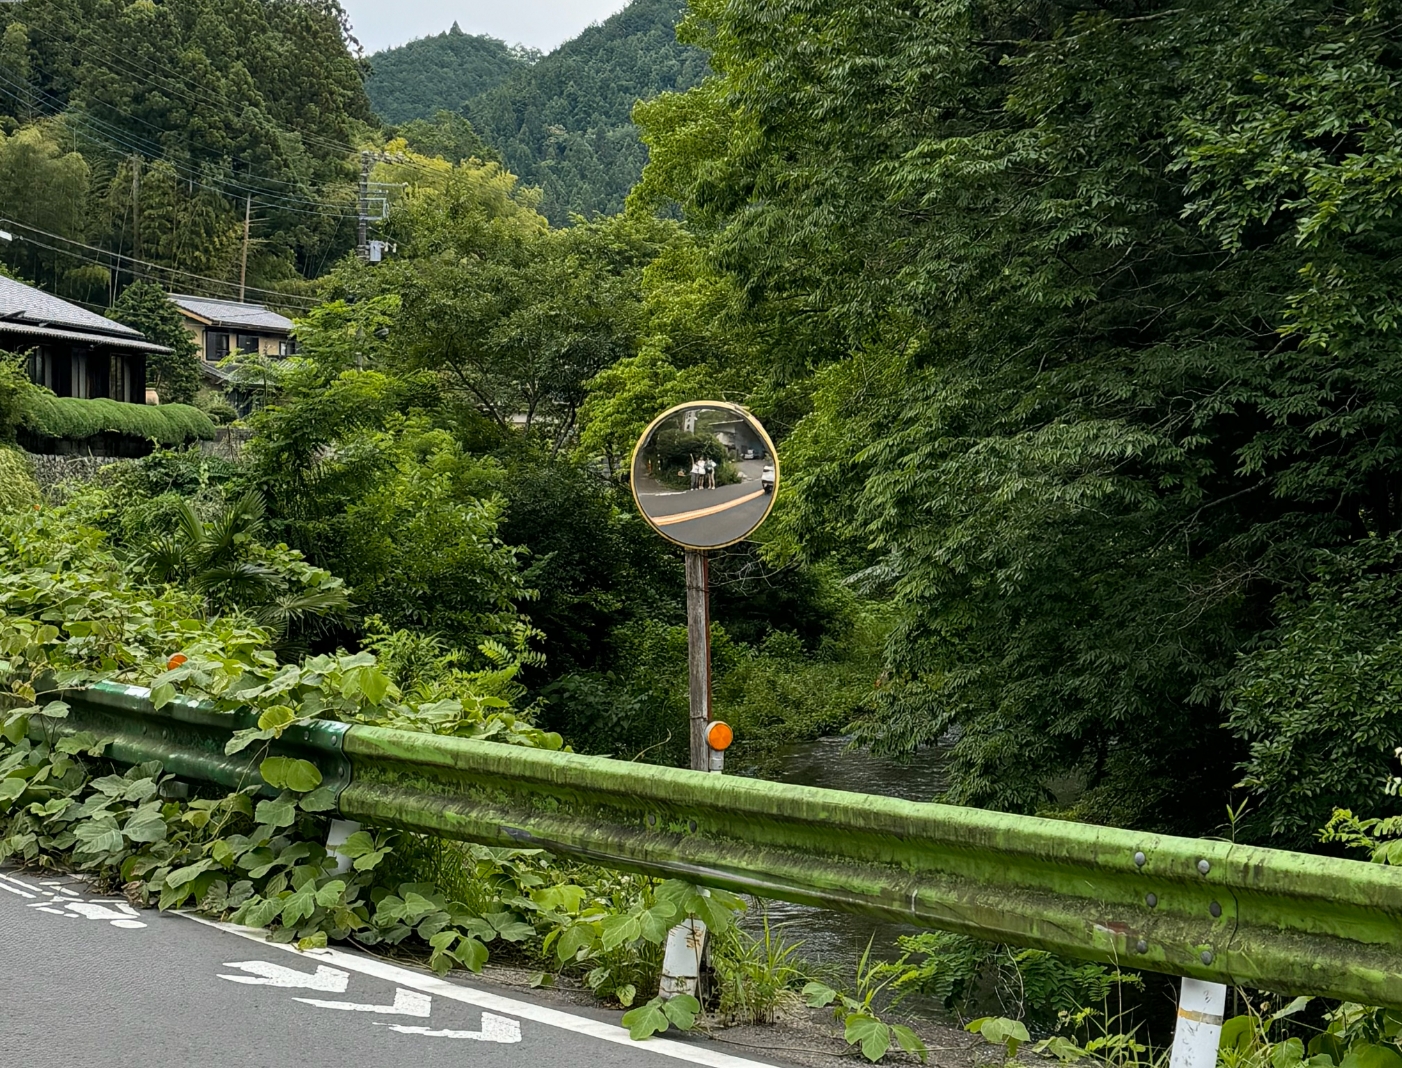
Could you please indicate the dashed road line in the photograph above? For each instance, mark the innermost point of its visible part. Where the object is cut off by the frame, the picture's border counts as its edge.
(494, 1003)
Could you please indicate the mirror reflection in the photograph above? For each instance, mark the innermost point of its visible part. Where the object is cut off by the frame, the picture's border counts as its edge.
(704, 474)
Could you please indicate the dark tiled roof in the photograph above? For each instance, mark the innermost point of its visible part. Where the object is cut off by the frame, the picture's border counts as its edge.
(20, 303)
(232, 314)
(111, 341)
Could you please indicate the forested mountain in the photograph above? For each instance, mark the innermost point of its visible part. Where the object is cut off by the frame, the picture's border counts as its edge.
(563, 124)
(142, 132)
(418, 79)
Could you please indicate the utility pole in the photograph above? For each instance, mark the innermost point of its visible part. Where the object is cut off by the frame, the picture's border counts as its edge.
(362, 233)
(698, 632)
(136, 215)
(243, 266)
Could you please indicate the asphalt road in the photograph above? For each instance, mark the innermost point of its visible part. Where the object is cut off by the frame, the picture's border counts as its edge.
(706, 518)
(88, 980)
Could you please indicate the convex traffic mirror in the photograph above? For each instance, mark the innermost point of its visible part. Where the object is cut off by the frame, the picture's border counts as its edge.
(705, 474)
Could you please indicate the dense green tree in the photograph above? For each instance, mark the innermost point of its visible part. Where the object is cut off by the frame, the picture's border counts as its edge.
(176, 376)
(563, 124)
(448, 136)
(187, 112)
(432, 74)
(1096, 308)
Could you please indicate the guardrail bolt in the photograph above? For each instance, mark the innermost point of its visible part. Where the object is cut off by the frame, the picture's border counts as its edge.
(691, 826)
(1141, 946)
(1152, 900)
(652, 819)
(1139, 860)
(1204, 867)
(1215, 909)
(1207, 956)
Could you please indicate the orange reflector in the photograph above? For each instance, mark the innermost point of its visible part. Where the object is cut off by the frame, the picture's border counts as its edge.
(719, 735)
(175, 661)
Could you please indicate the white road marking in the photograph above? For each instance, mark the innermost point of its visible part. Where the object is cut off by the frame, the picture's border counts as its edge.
(118, 914)
(56, 912)
(494, 1029)
(332, 980)
(525, 1010)
(19, 883)
(406, 1003)
(14, 890)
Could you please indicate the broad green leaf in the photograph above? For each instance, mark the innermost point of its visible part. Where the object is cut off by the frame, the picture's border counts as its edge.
(322, 799)
(357, 845)
(290, 773)
(681, 1011)
(181, 876)
(98, 836)
(870, 1033)
(1371, 1056)
(472, 953)
(299, 905)
(162, 694)
(330, 894)
(619, 929)
(819, 995)
(1000, 1031)
(241, 740)
(82, 742)
(911, 1042)
(1287, 1054)
(146, 824)
(646, 1020)
(276, 718)
(277, 813)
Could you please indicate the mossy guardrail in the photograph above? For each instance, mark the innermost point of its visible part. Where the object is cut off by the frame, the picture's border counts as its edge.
(1287, 922)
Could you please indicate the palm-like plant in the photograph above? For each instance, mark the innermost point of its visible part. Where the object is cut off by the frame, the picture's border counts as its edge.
(224, 560)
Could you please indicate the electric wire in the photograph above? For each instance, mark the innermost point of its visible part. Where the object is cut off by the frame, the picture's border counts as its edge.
(119, 256)
(170, 80)
(92, 127)
(139, 72)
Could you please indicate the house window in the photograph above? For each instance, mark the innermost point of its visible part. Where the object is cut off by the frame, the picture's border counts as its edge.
(216, 346)
(248, 343)
(287, 348)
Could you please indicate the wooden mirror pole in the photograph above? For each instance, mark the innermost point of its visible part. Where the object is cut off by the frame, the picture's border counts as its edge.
(698, 632)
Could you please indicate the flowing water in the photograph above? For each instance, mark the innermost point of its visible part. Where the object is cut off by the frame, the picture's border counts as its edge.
(838, 939)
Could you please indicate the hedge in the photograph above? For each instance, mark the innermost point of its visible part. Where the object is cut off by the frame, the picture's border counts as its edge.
(74, 419)
(17, 486)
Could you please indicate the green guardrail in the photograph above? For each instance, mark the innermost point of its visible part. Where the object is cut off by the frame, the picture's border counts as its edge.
(1286, 922)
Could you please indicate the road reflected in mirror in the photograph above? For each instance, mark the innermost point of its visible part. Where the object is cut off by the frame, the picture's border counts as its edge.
(704, 474)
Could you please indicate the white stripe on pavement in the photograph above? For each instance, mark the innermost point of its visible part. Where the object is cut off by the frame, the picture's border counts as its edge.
(582, 1025)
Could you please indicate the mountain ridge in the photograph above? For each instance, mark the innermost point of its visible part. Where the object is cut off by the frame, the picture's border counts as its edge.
(564, 122)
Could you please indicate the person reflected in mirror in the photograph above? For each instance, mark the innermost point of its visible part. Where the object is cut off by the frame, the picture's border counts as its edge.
(710, 473)
(698, 473)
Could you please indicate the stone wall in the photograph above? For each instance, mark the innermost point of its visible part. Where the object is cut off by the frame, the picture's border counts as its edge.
(49, 470)
(227, 444)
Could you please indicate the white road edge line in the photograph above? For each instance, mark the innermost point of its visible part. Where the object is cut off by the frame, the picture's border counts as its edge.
(567, 1021)
(14, 890)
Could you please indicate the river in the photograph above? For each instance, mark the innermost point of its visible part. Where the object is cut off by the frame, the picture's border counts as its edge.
(837, 939)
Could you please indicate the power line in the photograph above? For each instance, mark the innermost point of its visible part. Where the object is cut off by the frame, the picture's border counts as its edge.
(91, 127)
(118, 256)
(171, 79)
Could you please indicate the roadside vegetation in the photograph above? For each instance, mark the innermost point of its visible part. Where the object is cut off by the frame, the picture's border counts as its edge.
(1087, 403)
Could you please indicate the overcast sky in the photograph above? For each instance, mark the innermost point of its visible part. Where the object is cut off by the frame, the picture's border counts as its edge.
(540, 24)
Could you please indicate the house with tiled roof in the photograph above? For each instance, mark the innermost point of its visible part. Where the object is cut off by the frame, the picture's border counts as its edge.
(221, 327)
(72, 351)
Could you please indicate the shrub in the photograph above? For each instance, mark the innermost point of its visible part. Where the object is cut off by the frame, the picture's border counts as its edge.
(74, 419)
(17, 486)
